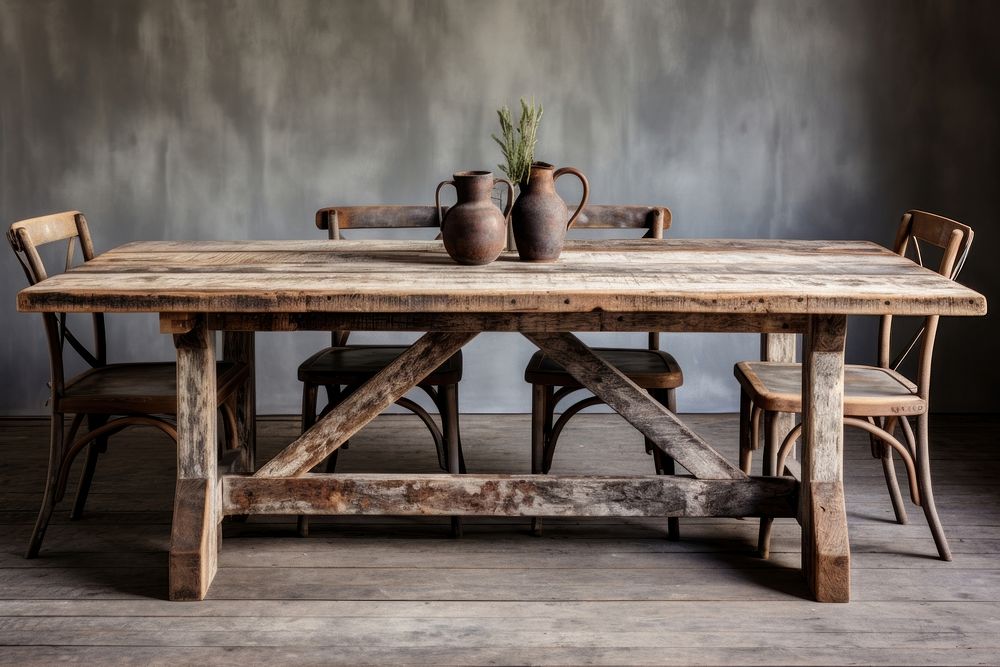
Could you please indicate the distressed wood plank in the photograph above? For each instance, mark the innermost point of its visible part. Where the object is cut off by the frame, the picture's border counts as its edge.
(194, 540)
(364, 404)
(638, 276)
(626, 398)
(826, 553)
(509, 495)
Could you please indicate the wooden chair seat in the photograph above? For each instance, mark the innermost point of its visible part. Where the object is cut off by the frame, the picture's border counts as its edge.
(351, 365)
(140, 388)
(869, 391)
(650, 369)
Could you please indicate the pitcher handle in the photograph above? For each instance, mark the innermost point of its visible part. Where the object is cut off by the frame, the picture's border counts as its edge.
(510, 195)
(437, 201)
(586, 190)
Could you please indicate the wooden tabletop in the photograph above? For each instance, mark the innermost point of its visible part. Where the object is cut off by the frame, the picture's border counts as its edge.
(695, 276)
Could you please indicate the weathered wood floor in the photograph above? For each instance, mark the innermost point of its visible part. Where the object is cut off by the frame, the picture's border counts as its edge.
(588, 592)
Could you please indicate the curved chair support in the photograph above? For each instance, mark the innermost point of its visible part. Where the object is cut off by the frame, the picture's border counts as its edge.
(892, 441)
(911, 473)
(431, 426)
(107, 430)
(562, 393)
(432, 392)
(550, 446)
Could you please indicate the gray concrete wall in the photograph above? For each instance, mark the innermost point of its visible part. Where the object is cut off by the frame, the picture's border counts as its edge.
(236, 120)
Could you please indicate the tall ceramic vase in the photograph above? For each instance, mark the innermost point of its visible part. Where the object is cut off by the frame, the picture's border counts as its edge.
(474, 230)
(540, 218)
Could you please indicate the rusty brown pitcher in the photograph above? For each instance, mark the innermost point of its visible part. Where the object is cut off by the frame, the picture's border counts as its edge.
(540, 218)
(474, 230)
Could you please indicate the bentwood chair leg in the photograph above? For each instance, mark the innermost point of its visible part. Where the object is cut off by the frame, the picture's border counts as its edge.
(889, 472)
(309, 392)
(458, 437)
(94, 450)
(883, 452)
(926, 493)
(449, 395)
(772, 440)
(746, 447)
(665, 464)
(56, 454)
(540, 409)
(892, 484)
(538, 419)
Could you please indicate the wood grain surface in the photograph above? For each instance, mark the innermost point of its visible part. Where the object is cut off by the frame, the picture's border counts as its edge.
(637, 276)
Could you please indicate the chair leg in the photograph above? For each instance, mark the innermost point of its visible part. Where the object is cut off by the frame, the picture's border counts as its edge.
(926, 493)
(309, 392)
(94, 450)
(889, 471)
(746, 446)
(540, 417)
(56, 455)
(665, 464)
(449, 395)
(772, 440)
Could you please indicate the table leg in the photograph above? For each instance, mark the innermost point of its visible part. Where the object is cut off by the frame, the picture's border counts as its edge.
(239, 346)
(194, 538)
(826, 553)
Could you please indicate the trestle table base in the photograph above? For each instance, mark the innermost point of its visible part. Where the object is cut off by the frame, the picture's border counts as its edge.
(284, 485)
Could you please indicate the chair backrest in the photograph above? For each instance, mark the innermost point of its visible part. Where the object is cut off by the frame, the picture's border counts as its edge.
(654, 219)
(953, 239)
(337, 218)
(25, 238)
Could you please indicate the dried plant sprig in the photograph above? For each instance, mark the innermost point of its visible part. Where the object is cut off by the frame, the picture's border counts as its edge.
(518, 143)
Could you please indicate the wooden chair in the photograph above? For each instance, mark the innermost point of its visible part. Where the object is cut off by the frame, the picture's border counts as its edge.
(652, 369)
(110, 397)
(877, 399)
(341, 368)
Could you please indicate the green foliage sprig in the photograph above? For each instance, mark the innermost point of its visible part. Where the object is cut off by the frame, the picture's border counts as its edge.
(518, 143)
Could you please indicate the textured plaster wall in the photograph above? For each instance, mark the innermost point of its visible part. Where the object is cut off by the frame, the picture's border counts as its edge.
(236, 120)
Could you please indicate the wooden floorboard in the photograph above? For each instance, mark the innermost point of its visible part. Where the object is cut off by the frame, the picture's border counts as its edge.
(390, 590)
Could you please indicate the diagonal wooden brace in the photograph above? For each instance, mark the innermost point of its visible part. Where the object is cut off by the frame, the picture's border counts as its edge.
(370, 399)
(629, 400)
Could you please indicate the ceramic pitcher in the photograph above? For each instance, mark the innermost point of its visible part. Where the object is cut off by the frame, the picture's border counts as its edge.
(474, 230)
(540, 217)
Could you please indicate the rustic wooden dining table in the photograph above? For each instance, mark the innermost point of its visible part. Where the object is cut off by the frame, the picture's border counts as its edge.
(764, 286)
